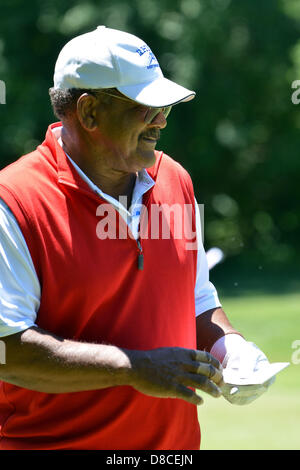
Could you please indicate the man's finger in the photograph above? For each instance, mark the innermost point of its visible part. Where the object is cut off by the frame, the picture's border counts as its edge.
(209, 371)
(204, 356)
(203, 383)
(202, 368)
(188, 395)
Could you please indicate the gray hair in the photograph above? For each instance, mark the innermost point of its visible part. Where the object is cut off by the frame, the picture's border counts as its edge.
(64, 101)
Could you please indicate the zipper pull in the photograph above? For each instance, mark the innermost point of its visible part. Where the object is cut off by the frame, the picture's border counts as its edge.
(140, 257)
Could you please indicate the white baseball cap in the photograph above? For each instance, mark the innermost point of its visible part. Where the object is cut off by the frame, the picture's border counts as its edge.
(108, 58)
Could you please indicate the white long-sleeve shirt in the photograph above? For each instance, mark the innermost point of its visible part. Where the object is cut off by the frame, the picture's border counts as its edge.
(20, 289)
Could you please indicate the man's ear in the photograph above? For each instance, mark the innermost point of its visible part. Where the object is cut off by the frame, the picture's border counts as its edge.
(87, 111)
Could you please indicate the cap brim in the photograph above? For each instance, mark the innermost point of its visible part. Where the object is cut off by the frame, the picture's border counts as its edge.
(158, 93)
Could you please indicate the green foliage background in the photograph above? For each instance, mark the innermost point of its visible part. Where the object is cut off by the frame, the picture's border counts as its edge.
(239, 138)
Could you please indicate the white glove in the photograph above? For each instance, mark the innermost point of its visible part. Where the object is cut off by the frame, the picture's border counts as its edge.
(242, 359)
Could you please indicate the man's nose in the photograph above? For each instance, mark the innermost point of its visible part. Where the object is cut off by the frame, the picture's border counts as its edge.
(159, 121)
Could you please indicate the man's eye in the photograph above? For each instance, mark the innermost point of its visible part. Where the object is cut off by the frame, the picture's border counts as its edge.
(142, 109)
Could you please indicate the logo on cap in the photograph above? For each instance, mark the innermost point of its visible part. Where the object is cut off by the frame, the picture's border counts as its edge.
(152, 59)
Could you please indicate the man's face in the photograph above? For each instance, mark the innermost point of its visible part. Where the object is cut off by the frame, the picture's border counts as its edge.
(128, 139)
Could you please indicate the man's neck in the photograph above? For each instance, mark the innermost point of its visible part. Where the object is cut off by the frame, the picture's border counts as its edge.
(116, 186)
(113, 183)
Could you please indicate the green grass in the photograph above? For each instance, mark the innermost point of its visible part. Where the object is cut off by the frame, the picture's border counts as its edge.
(273, 421)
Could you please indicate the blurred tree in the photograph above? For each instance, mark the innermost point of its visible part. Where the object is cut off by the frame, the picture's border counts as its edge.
(239, 138)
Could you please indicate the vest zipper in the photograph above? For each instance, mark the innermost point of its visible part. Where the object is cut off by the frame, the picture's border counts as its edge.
(140, 256)
(140, 260)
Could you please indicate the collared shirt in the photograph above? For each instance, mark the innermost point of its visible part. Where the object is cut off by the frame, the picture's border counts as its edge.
(20, 290)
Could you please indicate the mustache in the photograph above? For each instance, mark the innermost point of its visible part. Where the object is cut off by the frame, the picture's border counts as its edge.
(151, 134)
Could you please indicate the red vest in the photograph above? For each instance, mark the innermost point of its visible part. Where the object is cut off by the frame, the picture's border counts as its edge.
(93, 291)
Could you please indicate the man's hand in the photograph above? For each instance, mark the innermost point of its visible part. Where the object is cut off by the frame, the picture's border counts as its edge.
(242, 364)
(170, 372)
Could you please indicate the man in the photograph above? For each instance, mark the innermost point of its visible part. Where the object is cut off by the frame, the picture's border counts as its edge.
(102, 347)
